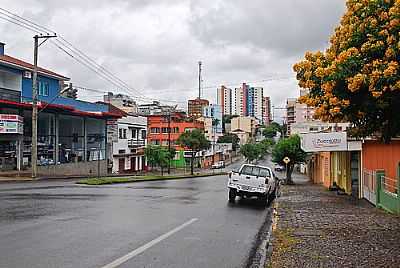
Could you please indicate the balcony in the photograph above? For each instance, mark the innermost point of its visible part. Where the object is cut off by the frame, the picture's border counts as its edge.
(10, 95)
(132, 143)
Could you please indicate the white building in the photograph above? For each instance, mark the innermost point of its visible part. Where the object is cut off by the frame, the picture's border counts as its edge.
(122, 102)
(318, 126)
(128, 148)
(238, 102)
(224, 99)
(255, 103)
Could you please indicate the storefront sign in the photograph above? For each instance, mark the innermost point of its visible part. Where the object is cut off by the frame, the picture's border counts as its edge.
(112, 130)
(324, 142)
(11, 124)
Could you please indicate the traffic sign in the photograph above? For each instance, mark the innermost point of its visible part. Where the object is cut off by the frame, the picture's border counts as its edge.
(286, 160)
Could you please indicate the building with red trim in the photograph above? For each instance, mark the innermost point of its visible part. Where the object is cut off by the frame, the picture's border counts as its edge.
(72, 134)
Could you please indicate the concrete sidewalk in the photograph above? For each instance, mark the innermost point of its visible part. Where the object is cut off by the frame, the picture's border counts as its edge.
(317, 228)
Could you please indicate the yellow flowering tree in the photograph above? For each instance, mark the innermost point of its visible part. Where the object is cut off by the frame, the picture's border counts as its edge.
(357, 79)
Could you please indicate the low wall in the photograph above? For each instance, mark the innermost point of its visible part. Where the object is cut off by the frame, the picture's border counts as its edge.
(89, 169)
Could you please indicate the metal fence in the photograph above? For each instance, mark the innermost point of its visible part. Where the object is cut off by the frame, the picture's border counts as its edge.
(369, 179)
(390, 185)
(369, 185)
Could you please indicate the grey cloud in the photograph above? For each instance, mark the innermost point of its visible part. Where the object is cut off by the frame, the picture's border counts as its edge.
(287, 27)
(154, 45)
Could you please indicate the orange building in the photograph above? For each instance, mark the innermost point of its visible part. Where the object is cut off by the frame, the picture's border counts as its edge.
(381, 171)
(196, 106)
(158, 125)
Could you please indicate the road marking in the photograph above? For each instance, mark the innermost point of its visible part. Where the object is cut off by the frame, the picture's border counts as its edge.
(141, 249)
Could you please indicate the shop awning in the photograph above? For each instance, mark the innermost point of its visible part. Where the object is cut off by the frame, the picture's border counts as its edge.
(57, 108)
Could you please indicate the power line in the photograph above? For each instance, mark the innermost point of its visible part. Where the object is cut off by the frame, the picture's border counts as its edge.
(91, 64)
(79, 56)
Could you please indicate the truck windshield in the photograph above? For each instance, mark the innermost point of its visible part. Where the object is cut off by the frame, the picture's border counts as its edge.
(255, 171)
(265, 172)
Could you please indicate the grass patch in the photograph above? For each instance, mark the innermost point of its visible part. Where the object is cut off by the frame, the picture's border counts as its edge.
(115, 180)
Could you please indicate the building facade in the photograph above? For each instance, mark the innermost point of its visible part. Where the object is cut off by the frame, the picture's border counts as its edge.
(224, 100)
(255, 103)
(128, 149)
(71, 133)
(163, 130)
(196, 107)
(239, 102)
(154, 108)
(249, 101)
(297, 113)
(215, 113)
(266, 111)
(123, 102)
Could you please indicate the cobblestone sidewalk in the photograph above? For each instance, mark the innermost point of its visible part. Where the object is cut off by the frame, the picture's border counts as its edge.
(318, 228)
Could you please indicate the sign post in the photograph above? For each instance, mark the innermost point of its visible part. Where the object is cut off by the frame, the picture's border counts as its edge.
(286, 160)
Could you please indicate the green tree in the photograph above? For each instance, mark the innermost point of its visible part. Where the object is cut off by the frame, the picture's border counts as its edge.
(251, 151)
(157, 156)
(196, 142)
(271, 131)
(265, 146)
(289, 147)
(230, 138)
(357, 79)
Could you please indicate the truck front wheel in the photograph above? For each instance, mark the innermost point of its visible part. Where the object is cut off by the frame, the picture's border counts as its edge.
(232, 195)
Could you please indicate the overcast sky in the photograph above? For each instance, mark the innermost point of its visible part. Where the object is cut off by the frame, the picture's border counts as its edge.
(154, 45)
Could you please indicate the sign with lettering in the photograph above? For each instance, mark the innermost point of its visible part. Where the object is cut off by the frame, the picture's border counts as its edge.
(324, 142)
(11, 124)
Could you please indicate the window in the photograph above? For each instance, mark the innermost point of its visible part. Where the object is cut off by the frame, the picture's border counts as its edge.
(265, 173)
(164, 130)
(155, 142)
(155, 130)
(43, 88)
(143, 134)
(121, 151)
(134, 133)
(247, 170)
(122, 133)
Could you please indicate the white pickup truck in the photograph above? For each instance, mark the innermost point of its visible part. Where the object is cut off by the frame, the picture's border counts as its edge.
(253, 180)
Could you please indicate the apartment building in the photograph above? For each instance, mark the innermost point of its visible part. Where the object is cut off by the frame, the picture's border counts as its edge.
(224, 100)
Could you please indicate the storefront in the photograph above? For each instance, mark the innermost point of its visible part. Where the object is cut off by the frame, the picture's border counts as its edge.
(11, 130)
(336, 160)
(70, 142)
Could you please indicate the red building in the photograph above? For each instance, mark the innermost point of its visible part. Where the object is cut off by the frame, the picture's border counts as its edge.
(158, 128)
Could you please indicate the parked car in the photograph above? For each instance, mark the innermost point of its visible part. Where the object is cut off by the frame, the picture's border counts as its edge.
(279, 168)
(217, 165)
(253, 180)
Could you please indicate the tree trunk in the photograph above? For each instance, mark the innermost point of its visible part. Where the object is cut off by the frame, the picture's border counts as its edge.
(162, 171)
(289, 172)
(192, 164)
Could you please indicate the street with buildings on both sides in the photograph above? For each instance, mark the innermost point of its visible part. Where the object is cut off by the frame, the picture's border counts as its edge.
(185, 223)
(125, 182)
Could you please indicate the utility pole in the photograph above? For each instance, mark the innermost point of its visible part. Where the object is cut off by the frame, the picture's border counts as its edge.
(34, 156)
(200, 80)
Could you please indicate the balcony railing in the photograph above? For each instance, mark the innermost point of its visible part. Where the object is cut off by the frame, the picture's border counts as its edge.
(135, 143)
(10, 95)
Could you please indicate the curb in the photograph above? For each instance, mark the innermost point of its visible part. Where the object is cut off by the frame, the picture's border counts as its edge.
(260, 256)
(12, 180)
(157, 179)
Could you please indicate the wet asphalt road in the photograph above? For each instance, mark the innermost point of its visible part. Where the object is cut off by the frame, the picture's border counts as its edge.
(61, 224)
